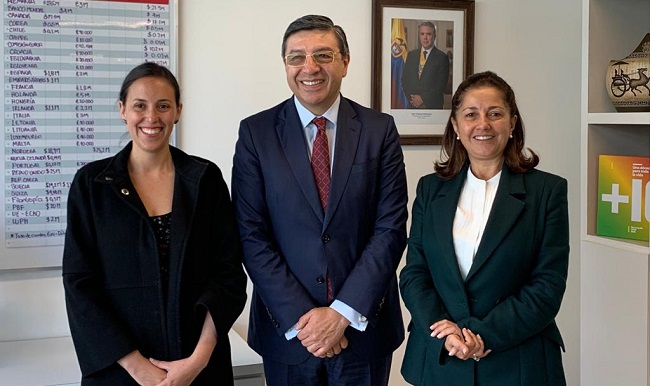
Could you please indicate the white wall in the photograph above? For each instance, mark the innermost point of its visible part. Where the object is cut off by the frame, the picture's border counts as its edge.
(230, 67)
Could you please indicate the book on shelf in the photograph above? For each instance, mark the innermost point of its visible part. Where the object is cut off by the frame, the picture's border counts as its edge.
(623, 197)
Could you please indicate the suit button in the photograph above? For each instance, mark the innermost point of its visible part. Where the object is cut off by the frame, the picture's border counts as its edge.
(320, 280)
(326, 238)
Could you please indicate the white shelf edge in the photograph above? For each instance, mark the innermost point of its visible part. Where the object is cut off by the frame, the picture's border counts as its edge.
(619, 118)
(614, 243)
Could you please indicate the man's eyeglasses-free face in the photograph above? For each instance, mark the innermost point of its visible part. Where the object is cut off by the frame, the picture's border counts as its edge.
(320, 57)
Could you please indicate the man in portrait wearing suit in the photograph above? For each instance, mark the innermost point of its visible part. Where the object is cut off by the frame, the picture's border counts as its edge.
(426, 71)
(319, 188)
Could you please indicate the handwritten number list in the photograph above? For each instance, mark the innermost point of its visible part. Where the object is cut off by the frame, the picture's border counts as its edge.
(64, 62)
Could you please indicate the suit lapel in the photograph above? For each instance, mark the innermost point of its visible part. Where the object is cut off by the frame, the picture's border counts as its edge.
(506, 209)
(443, 210)
(348, 131)
(292, 139)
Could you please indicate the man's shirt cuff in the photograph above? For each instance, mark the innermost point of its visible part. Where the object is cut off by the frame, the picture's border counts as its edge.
(357, 321)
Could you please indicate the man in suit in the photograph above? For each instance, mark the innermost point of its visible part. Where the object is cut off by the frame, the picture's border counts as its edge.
(322, 211)
(426, 71)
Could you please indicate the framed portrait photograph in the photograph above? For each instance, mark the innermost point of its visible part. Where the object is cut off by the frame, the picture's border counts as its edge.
(422, 50)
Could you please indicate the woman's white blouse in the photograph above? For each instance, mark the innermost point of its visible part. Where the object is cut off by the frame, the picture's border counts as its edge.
(472, 212)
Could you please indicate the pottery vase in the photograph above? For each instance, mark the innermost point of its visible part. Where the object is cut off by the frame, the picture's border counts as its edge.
(627, 79)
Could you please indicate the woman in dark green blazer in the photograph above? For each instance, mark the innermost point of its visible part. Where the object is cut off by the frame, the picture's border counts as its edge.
(487, 254)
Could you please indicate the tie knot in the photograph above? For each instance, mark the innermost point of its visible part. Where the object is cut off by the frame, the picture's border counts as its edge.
(320, 122)
(425, 54)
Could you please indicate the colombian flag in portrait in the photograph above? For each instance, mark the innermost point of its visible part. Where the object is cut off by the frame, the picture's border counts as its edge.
(398, 51)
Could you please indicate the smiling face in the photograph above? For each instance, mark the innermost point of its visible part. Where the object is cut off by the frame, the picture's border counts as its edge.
(484, 123)
(150, 111)
(316, 85)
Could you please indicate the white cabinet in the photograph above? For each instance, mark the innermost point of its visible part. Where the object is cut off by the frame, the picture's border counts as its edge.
(52, 361)
(614, 272)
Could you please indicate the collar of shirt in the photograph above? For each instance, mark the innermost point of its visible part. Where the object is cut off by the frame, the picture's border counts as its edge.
(477, 183)
(306, 116)
(310, 129)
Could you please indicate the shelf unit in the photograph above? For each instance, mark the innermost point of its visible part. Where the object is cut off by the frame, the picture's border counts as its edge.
(615, 273)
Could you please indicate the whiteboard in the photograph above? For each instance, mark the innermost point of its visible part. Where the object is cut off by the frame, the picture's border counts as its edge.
(64, 62)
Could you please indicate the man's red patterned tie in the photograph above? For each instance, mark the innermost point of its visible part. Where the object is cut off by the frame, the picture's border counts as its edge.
(320, 162)
(320, 166)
